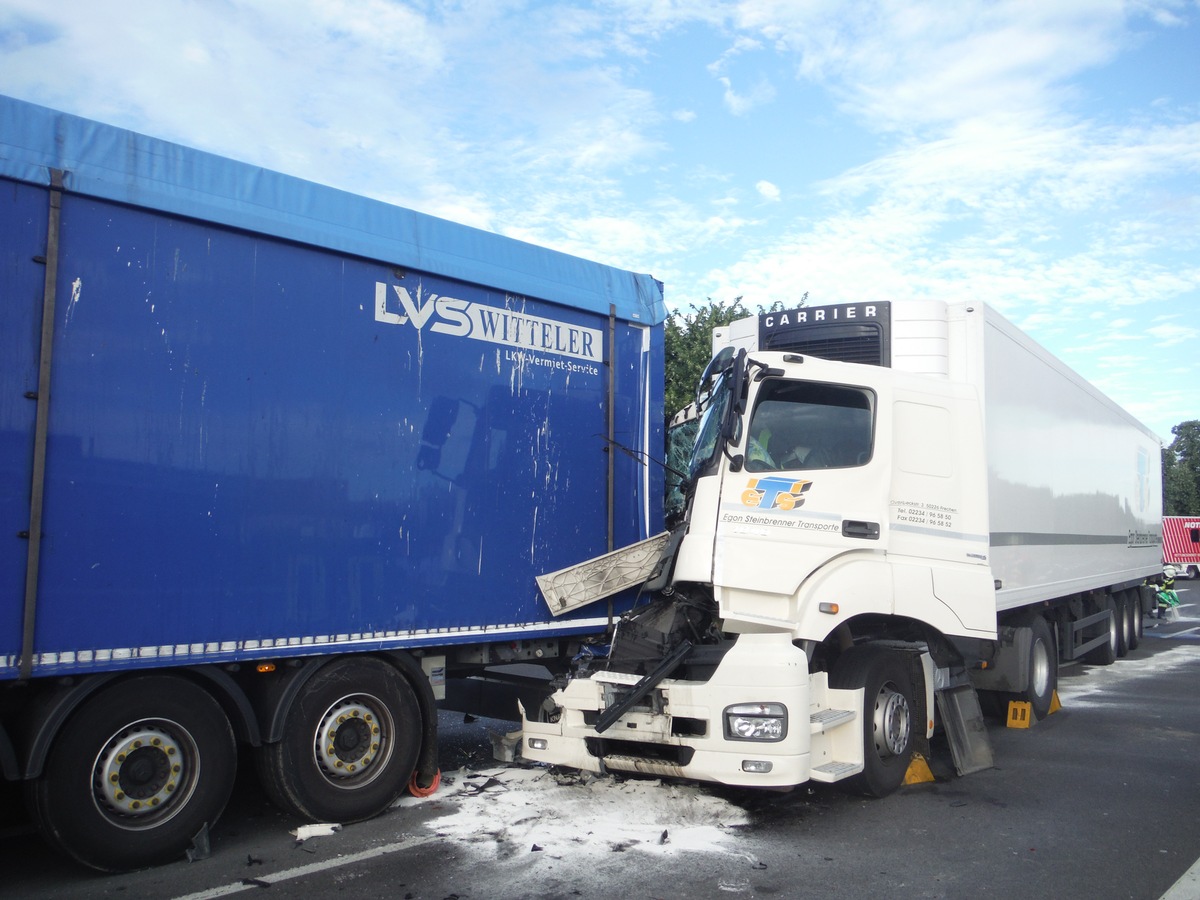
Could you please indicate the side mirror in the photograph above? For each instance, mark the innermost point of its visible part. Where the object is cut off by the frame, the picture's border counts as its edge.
(731, 427)
(715, 366)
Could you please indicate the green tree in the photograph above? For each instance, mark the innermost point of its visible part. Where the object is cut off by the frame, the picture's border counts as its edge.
(687, 349)
(1181, 471)
(688, 344)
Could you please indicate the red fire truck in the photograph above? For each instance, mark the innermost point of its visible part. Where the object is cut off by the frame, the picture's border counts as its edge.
(1181, 544)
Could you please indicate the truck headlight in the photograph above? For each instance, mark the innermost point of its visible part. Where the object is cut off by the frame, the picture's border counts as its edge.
(756, 722)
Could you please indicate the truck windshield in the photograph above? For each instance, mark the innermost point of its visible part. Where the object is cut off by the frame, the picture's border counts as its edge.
(809, 425)
(681, 439)
(693, 442)
(708, 437)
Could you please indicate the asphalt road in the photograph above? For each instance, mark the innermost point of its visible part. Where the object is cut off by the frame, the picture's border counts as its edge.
(1098, 801)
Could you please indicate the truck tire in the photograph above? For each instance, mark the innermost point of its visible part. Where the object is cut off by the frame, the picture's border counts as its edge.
(888, 716)
(1123, 622)
(1106, 653)
(1043, 668)
(136, 774)
(349, 746)
(1137, 620)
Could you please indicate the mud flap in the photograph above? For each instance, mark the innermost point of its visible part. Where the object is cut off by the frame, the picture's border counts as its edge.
(965, 729)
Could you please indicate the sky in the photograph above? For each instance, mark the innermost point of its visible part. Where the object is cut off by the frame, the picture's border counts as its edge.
(1042, 156)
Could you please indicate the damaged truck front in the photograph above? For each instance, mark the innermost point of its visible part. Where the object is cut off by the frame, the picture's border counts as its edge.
(802, 617)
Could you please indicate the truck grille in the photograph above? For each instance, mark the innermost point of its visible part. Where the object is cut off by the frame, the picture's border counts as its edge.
(842, 343)
(666, 753)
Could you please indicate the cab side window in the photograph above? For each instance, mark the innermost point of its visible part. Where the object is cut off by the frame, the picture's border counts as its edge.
(800, 425)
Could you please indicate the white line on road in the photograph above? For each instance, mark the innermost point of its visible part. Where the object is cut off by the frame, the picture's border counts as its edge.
(1187, 887)
(337, 862)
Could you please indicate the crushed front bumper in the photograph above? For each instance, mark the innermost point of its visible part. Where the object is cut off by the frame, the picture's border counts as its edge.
(683, 728)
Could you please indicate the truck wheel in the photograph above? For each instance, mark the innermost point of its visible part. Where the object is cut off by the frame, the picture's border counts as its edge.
(136, 774)
(349, 746)
(1136, 614)
(887, 716)
(1122, 622)
(1106, 653)
(1043, 668)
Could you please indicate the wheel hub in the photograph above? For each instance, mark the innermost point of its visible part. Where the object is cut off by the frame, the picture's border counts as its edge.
(893, 722)
(139, 770)
(1040, 669)
(348, 739)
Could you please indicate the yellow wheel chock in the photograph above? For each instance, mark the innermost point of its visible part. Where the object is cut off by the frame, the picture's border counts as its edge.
(1020, 712)
(918, 771)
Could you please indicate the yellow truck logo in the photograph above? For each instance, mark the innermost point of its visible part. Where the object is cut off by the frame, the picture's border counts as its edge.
(775, 493)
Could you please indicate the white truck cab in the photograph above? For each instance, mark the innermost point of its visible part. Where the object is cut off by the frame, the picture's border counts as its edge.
(835, 539)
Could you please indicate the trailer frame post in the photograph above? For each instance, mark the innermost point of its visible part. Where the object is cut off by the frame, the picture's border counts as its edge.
(611, 429)
(41, 427)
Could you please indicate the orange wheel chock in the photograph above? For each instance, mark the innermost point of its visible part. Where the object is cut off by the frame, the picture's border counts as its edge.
(417, 791)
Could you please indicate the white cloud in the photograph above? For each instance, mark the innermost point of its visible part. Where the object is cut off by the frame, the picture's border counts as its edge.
(462, 116)
(740, 104)
(1165, 15)
(767, 191)
(911, 64)
(741, 45)
(1167, 336)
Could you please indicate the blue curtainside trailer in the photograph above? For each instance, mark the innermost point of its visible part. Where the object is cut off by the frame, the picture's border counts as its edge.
(275, 460)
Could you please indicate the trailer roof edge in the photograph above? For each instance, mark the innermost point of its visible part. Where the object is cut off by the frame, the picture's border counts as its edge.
(115, 164)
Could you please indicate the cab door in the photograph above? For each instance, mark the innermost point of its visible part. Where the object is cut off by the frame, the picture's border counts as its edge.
(808, 484)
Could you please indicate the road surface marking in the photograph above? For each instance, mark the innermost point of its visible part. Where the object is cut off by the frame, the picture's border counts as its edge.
(1187, 887)
(266, 880)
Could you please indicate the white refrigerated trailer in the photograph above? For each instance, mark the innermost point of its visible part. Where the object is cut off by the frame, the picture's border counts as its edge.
(887, 508)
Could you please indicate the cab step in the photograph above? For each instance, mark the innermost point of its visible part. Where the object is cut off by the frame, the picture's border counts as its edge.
(834, 771)
(825, 720)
